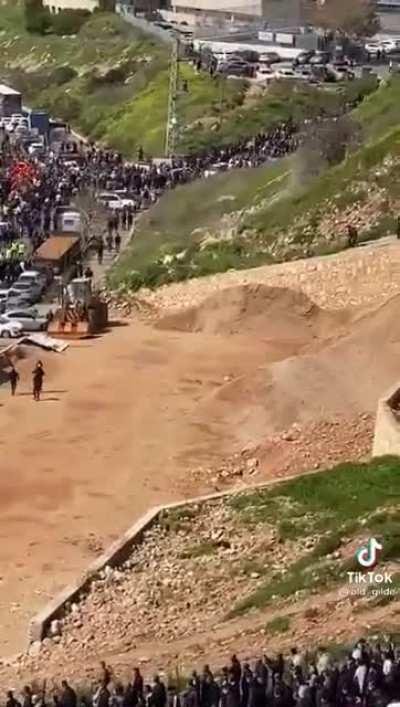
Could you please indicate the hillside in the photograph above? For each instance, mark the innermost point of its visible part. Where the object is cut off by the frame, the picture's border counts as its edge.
(260, 566)
(110, 81)
(244, 219)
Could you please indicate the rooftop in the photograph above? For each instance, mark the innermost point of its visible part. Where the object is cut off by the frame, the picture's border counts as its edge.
(8, 91)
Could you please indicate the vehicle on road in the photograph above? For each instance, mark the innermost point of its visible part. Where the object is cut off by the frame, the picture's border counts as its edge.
(113, 201)
(10, 329)
(29, 319)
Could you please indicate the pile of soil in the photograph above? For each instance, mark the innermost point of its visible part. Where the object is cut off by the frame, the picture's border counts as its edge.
(272, 313)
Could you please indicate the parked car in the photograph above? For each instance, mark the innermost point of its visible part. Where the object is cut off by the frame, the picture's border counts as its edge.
(264, 74)
(30, 291)
(29, 319)
(320, 58)
(10, 329)
(390, 46)
(373, 49)
(3, 299)
(233, 68)
(34, 277)
(111, 200)
(287, 73)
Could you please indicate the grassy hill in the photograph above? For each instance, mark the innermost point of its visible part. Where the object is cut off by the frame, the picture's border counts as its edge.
(243, 219)
(110, 81)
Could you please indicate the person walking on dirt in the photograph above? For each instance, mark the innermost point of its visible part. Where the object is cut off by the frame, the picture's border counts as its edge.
(13, 378)
(352, 236)
(38, 375)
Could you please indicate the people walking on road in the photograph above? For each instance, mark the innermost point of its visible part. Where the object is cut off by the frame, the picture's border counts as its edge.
(109, 242)
(13, 378)
(38, 375)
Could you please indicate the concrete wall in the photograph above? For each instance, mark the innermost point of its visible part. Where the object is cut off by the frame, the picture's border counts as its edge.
(56, 5)
(387, 425)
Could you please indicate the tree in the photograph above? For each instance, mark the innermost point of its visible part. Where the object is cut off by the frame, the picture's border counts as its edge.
(107, 5)
(355, 18)
(37, 17)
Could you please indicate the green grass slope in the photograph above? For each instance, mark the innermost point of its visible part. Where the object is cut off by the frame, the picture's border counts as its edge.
(349, 501)
(247, 218)
(110, 81)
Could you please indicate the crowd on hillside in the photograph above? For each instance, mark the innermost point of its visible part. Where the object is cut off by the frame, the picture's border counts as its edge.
(369, 676)
(31, 189)
(145, 180)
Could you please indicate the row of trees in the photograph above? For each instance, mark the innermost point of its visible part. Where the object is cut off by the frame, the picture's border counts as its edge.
(356, 18)
(39, 19)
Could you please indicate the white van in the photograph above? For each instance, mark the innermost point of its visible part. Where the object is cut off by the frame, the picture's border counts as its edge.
(70, 222)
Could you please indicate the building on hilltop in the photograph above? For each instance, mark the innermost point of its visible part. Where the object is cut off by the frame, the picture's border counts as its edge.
(278, 11)
(56, 5)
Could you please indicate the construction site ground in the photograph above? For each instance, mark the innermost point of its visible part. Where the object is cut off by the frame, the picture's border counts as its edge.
(163, 409)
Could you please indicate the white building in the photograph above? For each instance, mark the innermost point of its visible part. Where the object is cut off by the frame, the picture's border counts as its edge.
(227, 8)
(56, 5)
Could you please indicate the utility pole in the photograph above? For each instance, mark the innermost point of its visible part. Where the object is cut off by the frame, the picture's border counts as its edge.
(172, 131)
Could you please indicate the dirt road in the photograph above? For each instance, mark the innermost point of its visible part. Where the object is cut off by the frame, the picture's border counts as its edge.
(114, 434)
(127, 416)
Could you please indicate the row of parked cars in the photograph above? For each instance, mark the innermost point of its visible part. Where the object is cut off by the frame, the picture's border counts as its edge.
(18, 315)
(308, 66)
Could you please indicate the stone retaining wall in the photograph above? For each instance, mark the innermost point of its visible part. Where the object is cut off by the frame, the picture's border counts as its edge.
(120, 550)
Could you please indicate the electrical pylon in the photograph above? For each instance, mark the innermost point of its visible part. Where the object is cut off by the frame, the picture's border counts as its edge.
(172, 119)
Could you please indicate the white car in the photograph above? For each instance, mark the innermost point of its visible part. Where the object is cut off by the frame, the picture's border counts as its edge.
(372, 48)
(27, 319)
(10, 330)
(390, 45)
(114, 201)
(264, 74)
(287, 74)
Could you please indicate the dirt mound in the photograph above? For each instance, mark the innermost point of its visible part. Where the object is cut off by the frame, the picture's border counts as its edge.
(346, 376)
(272, 313)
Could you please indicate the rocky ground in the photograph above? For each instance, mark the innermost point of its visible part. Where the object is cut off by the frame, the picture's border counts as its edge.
(366, 276)
(298, 449)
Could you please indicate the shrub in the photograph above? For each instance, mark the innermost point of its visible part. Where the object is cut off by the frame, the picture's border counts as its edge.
(63, 74)
(37, 17)
(69, 21)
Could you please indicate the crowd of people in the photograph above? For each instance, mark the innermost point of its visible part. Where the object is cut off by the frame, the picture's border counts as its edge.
(32, 189)
(368, 676)
(146, 180)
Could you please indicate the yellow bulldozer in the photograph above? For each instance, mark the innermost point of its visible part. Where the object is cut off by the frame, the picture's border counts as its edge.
(81, 313)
